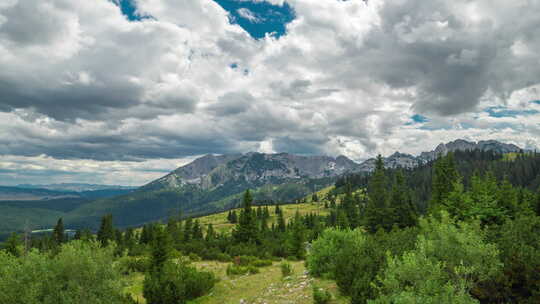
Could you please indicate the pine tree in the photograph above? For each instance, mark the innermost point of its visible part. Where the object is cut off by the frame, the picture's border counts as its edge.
(59, 234)
(401, 205)
(188, 230)
(106, 230)
(246, 230)
(197, 233)
(234, 217)
(297, 237)
(14, 245)
(210, 233)
(536, 203)
(376, 213)
(161, 249)
(281, 225)
(314, 198)
(444, 176)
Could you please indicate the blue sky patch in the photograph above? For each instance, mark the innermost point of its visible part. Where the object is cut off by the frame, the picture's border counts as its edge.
(259, 18)
(417, 118)
(129, 9)
(499, 112)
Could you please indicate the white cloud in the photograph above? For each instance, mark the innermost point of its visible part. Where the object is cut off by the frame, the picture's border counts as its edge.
(345, 79)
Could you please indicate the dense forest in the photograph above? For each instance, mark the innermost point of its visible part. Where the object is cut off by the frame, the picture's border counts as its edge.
(462, 229)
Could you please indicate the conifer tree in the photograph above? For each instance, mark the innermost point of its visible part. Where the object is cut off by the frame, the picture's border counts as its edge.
(197, 233)
(14, 245)
(210, 233)
(297, 237)
(376, 213)
(314, 198)
(444, 176)
(161, 249)
(188, 229)
(401, 205)
(234, 217)
(106, 230)
(281, 225)
(246, 230)
(59, 234)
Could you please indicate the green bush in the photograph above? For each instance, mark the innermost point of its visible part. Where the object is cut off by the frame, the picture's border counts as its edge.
(321, 296)
(448, 260)
(81, 272)
(519, 242)
(241, 270)
(244, 260)
(176, 283)
(261, 263)
(223, 257)
(194, 257)
(321, 260)
(286, 269)
(129, 264)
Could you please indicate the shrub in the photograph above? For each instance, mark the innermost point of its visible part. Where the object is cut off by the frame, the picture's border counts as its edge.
(448, 260)
(244, 260)
(223, 257)
(286, 269)
(128, 264)
(81, 272)
(261, 263)
(241, 270)
(321, 296)
(176, 283)
(321, 260)
(194, 257)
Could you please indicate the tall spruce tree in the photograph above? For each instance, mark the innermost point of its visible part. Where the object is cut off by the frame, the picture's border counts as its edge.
(59, 233)
(377, 214)
(401, 205)
(106, 230)
(444, 177)
(246, 230)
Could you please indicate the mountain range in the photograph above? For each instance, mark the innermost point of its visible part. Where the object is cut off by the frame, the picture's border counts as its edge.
(215, 183)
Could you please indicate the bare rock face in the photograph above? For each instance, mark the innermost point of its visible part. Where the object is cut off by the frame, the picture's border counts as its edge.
(463, 145)
(211, 171)
(254, 168)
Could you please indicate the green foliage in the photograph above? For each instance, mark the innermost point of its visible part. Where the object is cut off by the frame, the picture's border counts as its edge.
(321, 260)
(449, 259)
(519, 242)
(321, 296)
(176, 283)
(234, 269)
(444, 176)
(106, 230)
(80, 273)
(14, 245)
(377, 214)
(286, 269)
(59, 234)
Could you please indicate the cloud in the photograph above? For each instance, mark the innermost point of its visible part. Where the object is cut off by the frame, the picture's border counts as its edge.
(249, 15)
(341, 77)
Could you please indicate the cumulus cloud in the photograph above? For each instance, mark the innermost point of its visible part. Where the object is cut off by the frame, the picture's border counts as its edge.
(347, 78)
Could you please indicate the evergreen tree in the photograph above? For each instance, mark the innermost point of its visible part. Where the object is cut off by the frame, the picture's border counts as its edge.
(210, 233)
(188, 229)
(234, 217)
(14, 245)
(197, 232)
(106, 230)
(59, 234)
(246, 230)
(297, 237)
(401, 205)
(536, 202)
(376, 213)
(266, 213)
(281, 225)
(314, 198)
(444, 177)
(161, 249)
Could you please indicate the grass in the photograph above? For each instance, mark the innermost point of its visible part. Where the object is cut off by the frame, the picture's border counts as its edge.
(220, 222)
(265, 287)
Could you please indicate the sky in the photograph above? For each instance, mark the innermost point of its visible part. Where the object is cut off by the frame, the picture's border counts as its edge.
(123, 91)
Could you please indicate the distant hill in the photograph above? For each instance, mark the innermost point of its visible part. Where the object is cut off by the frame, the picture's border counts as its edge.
(215, 183)
(75, 187)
